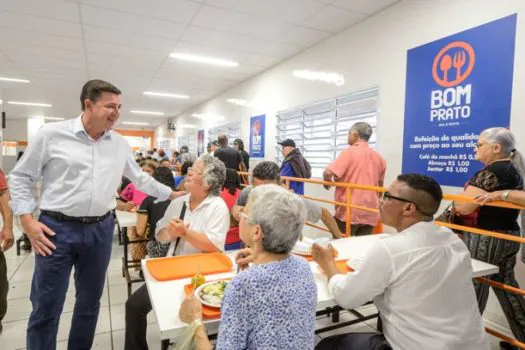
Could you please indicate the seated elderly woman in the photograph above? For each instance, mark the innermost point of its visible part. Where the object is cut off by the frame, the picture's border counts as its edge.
(194, 223)
(270, 305)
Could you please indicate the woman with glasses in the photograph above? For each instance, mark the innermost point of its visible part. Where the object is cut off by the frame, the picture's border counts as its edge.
(194, 223)
(503, 171)
(271, 304)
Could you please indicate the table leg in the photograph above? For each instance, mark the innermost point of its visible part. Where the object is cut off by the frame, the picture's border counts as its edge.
(335, 316)
(164, 344)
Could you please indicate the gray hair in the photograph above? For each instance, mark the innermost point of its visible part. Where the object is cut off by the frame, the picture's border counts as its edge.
(214, 173)
(280, 214)
(364, 130)
(505, 138)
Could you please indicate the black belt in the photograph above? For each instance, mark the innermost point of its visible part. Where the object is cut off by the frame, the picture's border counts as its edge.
(82, 219)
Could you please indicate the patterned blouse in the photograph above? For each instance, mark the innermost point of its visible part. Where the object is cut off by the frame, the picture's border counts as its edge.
(270, 306)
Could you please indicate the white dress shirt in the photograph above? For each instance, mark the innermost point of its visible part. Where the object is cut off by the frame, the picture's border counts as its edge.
(421, 282)
(80, 175)
(211, 217)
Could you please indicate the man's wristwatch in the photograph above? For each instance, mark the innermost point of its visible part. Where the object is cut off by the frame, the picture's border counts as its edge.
(505, 195)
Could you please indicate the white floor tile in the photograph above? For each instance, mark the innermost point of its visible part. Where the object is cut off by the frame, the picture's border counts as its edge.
(18, 309)
(153, 338)
(14, 335)
(19, 290)
(103, 324)
(118, 294)
(101, 342)
(118, 317)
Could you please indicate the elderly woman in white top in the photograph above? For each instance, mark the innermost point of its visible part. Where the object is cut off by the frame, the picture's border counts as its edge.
(270, 305)
(194, 223)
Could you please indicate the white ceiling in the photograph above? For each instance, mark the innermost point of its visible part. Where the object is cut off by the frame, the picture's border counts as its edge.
(59, 44)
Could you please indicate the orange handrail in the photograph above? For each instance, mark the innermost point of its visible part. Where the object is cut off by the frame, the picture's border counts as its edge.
(450, 197)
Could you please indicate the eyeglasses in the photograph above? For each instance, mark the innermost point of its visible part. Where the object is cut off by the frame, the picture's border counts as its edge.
(479, 144)
(387, 195)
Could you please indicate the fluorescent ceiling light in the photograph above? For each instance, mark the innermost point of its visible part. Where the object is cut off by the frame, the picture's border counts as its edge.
(35, 104)
(14, 80)
(134, 123)
(239, 102)
(203, 59)
(146, 112)
(326, 77)
(187, 126)
(208, 117)
(162, 94)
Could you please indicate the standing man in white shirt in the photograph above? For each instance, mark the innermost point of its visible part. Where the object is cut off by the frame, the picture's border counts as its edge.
(420, 279)
(81, 162)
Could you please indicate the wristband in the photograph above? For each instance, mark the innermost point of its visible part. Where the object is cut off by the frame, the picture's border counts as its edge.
(505, 195)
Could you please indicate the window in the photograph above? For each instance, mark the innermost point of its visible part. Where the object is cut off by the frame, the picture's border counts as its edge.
(232, 130)
(320, 129)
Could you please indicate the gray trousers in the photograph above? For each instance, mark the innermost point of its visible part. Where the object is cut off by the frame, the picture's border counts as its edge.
(502, 253)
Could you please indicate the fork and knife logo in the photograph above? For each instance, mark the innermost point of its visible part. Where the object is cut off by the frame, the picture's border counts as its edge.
(457, 57)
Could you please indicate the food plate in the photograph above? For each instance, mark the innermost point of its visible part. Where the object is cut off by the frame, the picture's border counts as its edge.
(212, 293)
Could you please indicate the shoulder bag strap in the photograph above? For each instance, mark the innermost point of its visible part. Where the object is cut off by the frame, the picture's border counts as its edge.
(181, 216)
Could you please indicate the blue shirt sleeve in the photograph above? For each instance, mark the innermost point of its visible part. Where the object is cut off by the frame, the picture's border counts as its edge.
(234, 327)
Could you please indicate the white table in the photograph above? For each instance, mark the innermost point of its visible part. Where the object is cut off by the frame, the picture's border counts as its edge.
(126, 218)
(166, 297)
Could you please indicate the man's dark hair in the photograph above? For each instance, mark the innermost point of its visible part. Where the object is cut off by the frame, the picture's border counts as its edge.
(223, 140)
(164, 176)
(184, 167)
(267, 170)
(426, 192)
(93, 89)
(239, 143)
(233, 181)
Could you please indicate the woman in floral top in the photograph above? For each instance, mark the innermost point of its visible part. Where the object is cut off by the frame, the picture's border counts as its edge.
(272, 304)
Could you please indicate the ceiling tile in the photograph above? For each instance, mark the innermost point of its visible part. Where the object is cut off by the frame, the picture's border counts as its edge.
(234, 22)
(34, 61)
(289, 11)
(20, 37)
(118, 37)
(283, 50)
(16, 47)
(111, 19)
(302, 36)
(224, 40)
(126, 53)
(334, 19)
(38, 24)
(53, 9)
(368, 7)
(181, 11)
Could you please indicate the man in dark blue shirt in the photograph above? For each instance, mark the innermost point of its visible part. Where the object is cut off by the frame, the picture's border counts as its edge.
(294, 165)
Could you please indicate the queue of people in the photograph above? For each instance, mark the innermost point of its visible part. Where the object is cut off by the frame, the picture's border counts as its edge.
(420, 278)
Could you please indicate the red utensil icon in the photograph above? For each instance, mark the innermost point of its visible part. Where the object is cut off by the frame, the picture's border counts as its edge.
(445, 65)
(459, 61)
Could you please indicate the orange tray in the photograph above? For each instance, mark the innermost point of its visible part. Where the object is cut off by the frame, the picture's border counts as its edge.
(343, 267)
(208, 313)
(178, 267)
(310, 258)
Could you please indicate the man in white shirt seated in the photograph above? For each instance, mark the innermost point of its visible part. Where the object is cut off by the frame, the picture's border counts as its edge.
(420, 279)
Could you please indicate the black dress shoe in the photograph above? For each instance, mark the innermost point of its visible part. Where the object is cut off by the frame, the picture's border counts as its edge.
(503, 345)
